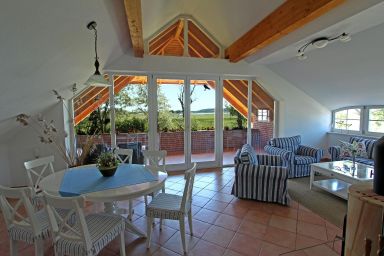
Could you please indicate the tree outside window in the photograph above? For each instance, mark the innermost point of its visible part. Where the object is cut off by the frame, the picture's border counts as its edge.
(348, 119)
(376, 120)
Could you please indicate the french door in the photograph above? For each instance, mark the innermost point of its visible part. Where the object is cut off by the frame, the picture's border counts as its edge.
(185, 120)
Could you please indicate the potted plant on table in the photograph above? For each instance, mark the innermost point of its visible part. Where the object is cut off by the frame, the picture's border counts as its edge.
(107, 164)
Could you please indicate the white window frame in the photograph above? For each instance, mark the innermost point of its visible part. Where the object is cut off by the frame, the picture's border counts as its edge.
(364, 120)
(262, 115)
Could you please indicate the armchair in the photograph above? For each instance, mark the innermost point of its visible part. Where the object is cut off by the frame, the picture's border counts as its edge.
(260, 177)
(297, 158)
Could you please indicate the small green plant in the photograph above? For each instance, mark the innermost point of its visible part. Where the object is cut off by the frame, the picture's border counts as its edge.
(107, 159)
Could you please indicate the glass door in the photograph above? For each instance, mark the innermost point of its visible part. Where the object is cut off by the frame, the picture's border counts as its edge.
(171, 119)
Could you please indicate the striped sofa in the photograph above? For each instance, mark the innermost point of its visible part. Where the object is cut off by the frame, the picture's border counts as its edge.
(369, 145)
(260, 177)
(297, 158)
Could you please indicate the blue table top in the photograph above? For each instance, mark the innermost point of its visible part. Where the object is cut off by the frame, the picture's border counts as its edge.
(77, 181)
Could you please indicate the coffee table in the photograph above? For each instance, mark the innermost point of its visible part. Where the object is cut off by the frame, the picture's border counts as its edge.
(341, 176)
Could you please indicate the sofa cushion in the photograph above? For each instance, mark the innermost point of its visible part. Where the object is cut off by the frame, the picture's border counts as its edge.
(248, 155)
(361, 160)
(369, 144)
(346, 149)
(288, 143)
(304, 160)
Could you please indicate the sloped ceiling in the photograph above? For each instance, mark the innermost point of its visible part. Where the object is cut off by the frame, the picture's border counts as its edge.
(342, 74)
(45, 45)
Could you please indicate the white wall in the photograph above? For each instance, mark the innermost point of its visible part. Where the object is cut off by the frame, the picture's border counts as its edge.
(25, 146)
(298, 112)
(5, 169)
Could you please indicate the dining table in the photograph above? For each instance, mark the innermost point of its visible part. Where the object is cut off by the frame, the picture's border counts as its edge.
(130, 181)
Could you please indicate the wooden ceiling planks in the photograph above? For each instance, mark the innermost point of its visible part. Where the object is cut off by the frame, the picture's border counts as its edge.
(289, 16)
(134, 19)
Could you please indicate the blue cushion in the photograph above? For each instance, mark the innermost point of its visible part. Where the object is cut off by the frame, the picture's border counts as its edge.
(369, 144)
(248, 155)
(360, 160)
(305, 159)
(288, 143)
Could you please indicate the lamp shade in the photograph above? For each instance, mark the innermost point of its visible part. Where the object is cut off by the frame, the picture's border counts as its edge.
(97, 80)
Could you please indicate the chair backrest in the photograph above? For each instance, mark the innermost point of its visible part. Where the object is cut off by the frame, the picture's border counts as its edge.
(124, 155)
(155, 159)
(17, 208)
(64, 226)
(288, 143)
(37, 169)
(187, 194)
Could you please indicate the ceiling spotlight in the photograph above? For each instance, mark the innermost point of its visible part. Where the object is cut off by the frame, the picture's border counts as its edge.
(97, 79)
(321, 42)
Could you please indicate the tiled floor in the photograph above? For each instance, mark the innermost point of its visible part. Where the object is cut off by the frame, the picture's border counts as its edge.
(223, 225)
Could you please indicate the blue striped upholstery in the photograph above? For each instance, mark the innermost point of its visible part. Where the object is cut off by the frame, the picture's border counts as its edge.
(26, 234)
(166, 206)
(334, 151)
(305, 160)
(296, 158)
(248, 155)
(261, 182)
(103, 228)
(270, 160)
(288, 143)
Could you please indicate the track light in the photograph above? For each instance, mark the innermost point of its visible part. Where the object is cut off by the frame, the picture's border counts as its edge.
(321, 42)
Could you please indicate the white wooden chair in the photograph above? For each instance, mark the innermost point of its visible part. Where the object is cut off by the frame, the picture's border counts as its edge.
(23, 222)
(173, 207)
(154, 160)
(89, 234)
(37, 169)
(124, 156)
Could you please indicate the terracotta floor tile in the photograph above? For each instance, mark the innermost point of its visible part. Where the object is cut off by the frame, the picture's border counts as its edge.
(280, 237)
(284, 211)
(310, 217)
(245, 245)
(218, 235)
(312, 230)
(305, 241)
(223, 197)
(207, 216)
(258, 216)
(252, 229)
(206, 248)
(199, 228)
(229, 252)
(226, 190)
(284, 223)
(207, 193)
(216, 206)
(174, 243)
(333, 231)
(214, 187)
(165, 252)
(321, 250)
(161, 236)
(200, 200)
(228, 222)
(268, 249)
(236, 211)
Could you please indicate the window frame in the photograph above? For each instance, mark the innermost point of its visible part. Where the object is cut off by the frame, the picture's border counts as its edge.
(262, 115)
(364, 120)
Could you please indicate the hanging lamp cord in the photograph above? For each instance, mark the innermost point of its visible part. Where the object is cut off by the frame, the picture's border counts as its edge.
(97, 72)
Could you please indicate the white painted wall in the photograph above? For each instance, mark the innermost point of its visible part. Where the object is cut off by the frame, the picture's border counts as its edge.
(5, 169)
(25, 146)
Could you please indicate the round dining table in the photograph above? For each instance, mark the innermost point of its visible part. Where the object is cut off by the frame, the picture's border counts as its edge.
(51, 184)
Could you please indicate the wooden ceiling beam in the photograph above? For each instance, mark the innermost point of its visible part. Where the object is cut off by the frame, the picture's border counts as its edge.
(179, 29)
(289, 16)
(133, 12)
(203, 39)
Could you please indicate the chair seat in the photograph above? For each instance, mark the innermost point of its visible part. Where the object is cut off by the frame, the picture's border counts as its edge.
(166, 206)
(304, 159)
(103, 228)
(26, 234)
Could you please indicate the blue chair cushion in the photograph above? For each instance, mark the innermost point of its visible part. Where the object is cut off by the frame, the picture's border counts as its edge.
(305, 160)
(248, 155)
(369, 144)
(288, 143)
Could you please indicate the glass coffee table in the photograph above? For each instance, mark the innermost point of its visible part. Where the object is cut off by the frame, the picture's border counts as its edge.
(341, 176)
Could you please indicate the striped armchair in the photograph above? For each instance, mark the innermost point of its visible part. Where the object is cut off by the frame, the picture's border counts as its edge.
(297, 158)
(260, 177)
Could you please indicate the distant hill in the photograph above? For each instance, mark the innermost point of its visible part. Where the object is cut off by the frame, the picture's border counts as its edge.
(204, 110)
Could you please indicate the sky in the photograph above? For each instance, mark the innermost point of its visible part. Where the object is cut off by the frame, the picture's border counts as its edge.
(203, 98)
